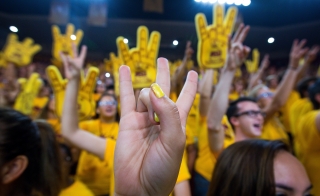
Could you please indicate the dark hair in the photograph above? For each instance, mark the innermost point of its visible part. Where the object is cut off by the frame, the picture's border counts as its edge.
(67, 150)
(303, 85)
(246, 168)
(106, 94)
(20, 136)
(314, 89)
(233, 107)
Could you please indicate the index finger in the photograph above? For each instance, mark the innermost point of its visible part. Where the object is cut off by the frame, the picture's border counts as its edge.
(142, 39)
(127, 98)
(218, 15)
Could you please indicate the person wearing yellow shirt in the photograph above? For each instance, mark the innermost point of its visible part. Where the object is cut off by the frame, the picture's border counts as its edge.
(271, 103)
(92, 171)
(73, 187)
(308, 138)
(245, 115)
(302, 105)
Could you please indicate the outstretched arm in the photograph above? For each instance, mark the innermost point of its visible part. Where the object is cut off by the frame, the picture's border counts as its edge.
(218, 105)
(70, 130)
(285, 87)
(205, 90)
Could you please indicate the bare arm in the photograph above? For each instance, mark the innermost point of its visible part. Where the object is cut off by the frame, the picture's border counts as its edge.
(318, 122)
(192, 155)
(205, 90)
(182, 189)
(254, 79)
(70, 130)
(218, 105)
(285, 87)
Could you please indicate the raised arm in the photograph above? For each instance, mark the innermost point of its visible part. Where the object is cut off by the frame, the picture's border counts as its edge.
(285, 87)
(205, 90)
(219, 102)
(70, 130)
(254, 79)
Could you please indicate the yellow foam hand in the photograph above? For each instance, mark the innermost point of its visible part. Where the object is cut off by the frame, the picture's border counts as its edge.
(63, 42)
(116, 63)
(213, 39)
(29, 90)
(85, 100)
(20, 53)
(252, 65)
(142, 59)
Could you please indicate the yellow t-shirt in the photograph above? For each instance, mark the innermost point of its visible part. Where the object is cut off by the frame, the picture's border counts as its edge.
(92, 171)
(206, 161)
(285, 110)
(38, 104)
(233, 96)
(274, 130)
(193, 119)
(76, 189)
(297, 110)
(96, 96)
(308, 139)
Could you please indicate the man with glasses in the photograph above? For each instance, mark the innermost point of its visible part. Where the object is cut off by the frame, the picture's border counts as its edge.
(250, 117)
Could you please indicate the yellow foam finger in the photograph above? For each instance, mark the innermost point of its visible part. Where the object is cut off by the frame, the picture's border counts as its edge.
(25, 99)
(201, 26)
(213, 39)
(230, 20)
(218, 16)
(142, 42)
(79, 36)
(69, 30)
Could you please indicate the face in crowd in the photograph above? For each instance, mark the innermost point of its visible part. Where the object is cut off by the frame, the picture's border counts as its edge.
(248, 118)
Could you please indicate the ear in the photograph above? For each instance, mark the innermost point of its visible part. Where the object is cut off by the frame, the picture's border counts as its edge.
(234, 121)
(97, 110)
(13, 169)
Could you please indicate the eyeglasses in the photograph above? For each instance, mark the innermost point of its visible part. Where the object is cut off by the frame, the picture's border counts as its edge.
(265, 95)
(251, 113)
(106, 103)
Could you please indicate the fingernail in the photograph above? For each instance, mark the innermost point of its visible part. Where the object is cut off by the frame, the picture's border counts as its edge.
(157, 90)
(156, 118)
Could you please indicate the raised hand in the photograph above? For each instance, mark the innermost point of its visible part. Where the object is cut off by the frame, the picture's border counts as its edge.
(252, 65)
(148, 154)
(297, 52)
(142, 59)
(213, 39)
(29, 90)
(20, 53)
(238, 52)
(63, 42)
(73, 70)
(312, 54)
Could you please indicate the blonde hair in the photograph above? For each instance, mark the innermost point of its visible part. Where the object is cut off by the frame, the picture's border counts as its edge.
(254, 92)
